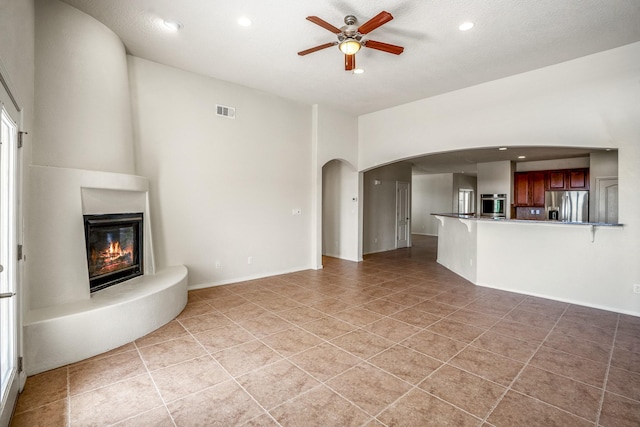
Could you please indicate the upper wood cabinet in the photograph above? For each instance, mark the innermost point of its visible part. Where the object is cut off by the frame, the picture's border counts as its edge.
(579, 179)
(572, 179)
(536, 182)
(521, 194)
(556, 180)
(528, 188)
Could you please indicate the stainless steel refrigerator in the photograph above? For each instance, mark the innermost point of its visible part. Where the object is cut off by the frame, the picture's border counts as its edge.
(571, 206)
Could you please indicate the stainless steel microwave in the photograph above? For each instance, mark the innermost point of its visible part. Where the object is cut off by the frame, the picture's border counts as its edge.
(493, 205)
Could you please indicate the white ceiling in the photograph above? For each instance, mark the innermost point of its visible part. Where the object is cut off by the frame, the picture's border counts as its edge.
(509, 37)
(466, 161)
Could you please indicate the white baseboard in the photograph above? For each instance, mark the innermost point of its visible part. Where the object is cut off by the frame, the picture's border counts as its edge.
(566, 300)
(246, 278)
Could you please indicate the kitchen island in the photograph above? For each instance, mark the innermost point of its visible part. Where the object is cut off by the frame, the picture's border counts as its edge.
(559, 260)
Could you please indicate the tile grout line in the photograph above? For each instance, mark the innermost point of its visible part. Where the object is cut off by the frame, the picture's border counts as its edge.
(421, 329)
(326, 341)
(446, 363)
(154, 385)
(526, 364)
(332, 315)
(606, 375)
(232, 378)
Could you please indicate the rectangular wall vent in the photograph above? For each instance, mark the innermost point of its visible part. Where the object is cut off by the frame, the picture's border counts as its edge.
(224, 111)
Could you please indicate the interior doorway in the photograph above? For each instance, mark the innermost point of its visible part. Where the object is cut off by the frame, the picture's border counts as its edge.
(607, 200)
(403, 214)
(340, 211)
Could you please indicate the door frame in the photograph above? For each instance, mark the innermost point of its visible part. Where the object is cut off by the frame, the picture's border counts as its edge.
(408, 207)
(10, 102)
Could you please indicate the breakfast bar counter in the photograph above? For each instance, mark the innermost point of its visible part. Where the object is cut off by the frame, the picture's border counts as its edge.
(523, 221)
(552, 259)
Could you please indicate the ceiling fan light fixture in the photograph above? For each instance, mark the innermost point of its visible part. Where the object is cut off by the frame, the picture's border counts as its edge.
(172, 26)
(243, 21)
(349, 46)
(466, 26)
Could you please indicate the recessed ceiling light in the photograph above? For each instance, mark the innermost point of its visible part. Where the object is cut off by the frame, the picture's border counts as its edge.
(358, 71)
(502, 148)
(522, 157)
(466, 26)
(244, 21)
(172, 25)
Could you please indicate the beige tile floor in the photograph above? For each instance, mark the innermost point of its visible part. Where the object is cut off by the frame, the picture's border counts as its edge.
(396, 340)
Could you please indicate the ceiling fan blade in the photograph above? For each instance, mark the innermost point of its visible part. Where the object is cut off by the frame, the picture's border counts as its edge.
(385, 47)
(324, 24)
(373, 23)
(317, 48)
(349, 62)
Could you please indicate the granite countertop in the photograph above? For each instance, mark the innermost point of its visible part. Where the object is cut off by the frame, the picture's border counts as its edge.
(525, 221)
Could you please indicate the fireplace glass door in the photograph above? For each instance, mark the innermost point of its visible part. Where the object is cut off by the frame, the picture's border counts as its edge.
(114, 248)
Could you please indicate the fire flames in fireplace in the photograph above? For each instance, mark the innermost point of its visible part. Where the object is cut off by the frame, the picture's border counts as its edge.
(112, 258)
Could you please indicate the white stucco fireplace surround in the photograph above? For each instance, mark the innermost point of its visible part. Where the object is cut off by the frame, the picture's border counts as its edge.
(63, 322)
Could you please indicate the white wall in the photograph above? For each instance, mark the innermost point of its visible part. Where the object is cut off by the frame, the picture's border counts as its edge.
(543, 165)
(379, 205)
(340, 210)
(222, 190)
(466, 182)
(335, 137)
(430, 194)
(495, 178)
(458, 246)
(17, 19)
(587, 102)
(558, 261)
(603, 164)
(83, 110)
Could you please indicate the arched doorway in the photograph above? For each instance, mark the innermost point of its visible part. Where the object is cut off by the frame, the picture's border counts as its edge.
(340, 211)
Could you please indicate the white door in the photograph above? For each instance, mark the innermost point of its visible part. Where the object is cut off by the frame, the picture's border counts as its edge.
(607, 200)
(403, 215)
(8, 262)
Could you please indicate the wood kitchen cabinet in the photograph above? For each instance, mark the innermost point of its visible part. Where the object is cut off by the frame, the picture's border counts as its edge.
(528, 188)
(578, 179)
(556, 180)
(521, 189)
(572, 179)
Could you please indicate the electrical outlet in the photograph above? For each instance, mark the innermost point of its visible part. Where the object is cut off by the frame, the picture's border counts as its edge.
(296, 211)
(218, 265)
(636, 289)
(250, 260)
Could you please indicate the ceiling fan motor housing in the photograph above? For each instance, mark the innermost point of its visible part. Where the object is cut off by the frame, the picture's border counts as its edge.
(349, 31)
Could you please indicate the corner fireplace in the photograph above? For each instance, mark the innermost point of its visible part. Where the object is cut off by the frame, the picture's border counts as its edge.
(114, 248)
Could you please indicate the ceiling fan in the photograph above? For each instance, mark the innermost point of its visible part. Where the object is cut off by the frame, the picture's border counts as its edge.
(351, 37)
